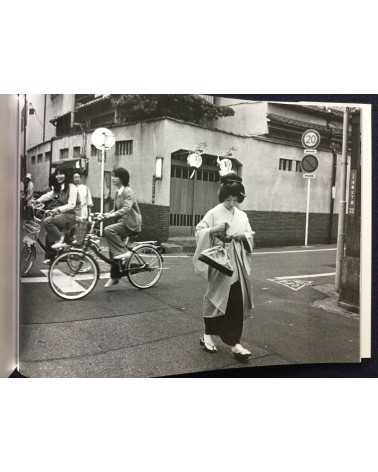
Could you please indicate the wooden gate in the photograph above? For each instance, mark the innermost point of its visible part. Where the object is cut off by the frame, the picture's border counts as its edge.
(190, 199)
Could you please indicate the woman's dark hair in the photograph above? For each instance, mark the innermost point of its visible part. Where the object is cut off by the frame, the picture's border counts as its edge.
(231, 186)
(55, 184)
(123, 175)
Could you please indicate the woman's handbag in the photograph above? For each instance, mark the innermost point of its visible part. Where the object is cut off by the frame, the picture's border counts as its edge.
(217, 257)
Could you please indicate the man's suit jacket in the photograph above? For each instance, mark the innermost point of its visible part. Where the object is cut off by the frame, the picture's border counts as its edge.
(126, 209)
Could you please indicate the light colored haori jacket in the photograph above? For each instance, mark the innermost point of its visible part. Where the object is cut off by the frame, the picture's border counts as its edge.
(126, 209)
(240, 255)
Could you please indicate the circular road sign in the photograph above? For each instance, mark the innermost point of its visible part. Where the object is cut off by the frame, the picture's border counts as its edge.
(309, 163)
(311, 139)
(103, 138)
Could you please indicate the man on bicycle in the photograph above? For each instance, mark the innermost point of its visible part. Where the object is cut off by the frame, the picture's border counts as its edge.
(129, 221)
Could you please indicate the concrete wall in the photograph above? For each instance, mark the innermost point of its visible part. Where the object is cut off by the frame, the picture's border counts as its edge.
(148, 143)
(56, 105)
(249, 117)
(267, 187)
(271, 189)
(39, 170)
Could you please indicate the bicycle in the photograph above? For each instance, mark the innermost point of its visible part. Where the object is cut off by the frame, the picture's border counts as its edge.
(68, 280)
(32, 228)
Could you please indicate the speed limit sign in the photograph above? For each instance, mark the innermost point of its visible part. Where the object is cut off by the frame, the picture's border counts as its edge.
(311, 139)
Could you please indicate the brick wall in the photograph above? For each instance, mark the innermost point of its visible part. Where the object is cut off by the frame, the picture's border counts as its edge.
(155, 220)
(288, 228)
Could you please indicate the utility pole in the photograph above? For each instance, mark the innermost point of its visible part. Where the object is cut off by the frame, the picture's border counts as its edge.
(44, 118)
(342, 207)
(23, 167)
(333, 192)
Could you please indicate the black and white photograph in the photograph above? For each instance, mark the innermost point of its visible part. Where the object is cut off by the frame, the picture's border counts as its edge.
(187, 248)
(173, 234)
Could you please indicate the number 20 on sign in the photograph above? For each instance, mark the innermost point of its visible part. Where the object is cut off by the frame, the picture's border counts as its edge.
(311, 139)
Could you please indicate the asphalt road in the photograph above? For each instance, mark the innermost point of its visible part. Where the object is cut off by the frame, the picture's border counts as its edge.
(124, 332)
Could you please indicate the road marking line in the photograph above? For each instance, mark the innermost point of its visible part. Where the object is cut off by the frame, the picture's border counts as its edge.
(178, 256)
(33, 280)
(263, 253)
(292, 284)
(39, 280)
(309, 276)
(260, 253)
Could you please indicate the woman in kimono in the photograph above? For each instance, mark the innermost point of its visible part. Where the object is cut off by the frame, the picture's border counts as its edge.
(228, 299)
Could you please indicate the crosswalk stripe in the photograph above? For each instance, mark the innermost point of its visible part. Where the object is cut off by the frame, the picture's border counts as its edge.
(65, 283)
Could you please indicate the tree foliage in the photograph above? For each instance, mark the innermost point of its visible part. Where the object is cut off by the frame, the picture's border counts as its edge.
(192, 108)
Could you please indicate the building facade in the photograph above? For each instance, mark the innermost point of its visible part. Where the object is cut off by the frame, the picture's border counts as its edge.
(263, 140)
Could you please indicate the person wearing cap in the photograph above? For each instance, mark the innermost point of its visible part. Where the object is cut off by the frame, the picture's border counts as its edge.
(28, 196)
(228, 299)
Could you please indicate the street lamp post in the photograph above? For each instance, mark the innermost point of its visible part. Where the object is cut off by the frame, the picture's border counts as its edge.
(103, 139)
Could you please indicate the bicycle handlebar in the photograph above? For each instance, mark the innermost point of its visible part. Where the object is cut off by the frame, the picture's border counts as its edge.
(38, 206)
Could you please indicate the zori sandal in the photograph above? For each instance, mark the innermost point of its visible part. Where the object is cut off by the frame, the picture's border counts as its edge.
(207, 346)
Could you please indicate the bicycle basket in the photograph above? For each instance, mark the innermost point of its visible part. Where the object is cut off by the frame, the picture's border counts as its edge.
(80, 231)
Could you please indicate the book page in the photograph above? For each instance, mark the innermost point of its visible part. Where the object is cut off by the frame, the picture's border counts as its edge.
(8, 248)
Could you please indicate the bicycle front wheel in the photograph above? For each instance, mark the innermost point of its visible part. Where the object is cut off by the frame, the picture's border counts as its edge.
(66, 278)
(144, 267)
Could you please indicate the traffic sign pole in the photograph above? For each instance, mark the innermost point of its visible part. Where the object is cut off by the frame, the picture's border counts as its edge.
(102, 187)
(307, 209)
(309, 164)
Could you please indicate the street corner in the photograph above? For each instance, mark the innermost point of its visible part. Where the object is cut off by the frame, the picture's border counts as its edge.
(329, 302)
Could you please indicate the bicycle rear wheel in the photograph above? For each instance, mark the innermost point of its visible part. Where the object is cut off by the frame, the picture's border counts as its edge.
(144, 267)
(66, 279)
(28, 255)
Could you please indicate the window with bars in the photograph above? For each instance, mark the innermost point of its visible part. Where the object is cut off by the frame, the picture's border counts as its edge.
(124, 148)
(285, 164)
(76, 151)
(63, 153)
(39, 158)
(33, 160)
(298, 166)
(180, 172)
(47, 156)
(184, 219)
